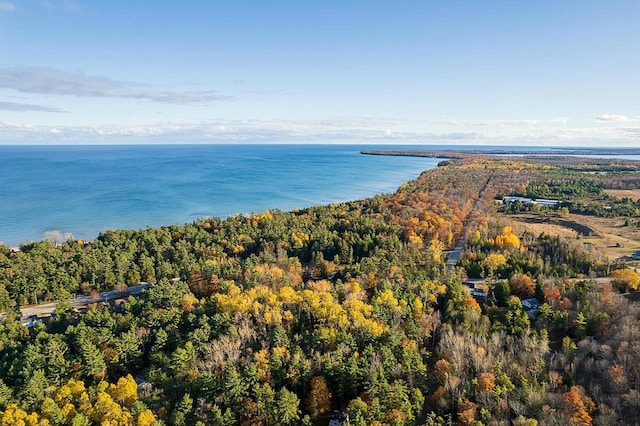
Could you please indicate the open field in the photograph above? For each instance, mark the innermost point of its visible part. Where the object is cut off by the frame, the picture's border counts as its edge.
(608, 236)
(634, 194)
(537, 228)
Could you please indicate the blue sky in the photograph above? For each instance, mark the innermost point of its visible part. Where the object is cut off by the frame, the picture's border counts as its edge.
(377, 71)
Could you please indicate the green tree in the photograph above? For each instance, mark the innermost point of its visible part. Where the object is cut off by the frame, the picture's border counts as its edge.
(357, 410)
(62, 299)
(33, 392)
(93, 361)
(517, 321)
(7, 304)
(502, 293)
(182, 410)
(6, 395)
(266, 402)
(288, 411)
(235, 389)
(581, 325)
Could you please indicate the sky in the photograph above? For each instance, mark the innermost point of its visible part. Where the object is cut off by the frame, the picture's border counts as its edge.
(543, 73)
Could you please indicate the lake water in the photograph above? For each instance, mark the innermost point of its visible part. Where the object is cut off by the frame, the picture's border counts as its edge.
(88, 189)
(84, 190)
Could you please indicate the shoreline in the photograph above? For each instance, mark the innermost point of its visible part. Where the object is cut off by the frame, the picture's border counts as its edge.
(167, 185)
(457, 154)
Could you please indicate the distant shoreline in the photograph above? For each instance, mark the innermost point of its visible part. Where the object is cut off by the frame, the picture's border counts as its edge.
(462, 153)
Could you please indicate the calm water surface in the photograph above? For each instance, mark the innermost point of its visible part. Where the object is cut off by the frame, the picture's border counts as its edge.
(87, 189)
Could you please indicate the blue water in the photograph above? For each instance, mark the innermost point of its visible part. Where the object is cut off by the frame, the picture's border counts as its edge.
(84, 190)
(88, 189)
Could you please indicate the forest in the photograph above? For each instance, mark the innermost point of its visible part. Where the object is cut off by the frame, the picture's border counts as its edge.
(283, 318)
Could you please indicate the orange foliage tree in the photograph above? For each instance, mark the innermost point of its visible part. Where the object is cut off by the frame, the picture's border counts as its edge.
(486, 382)
(318, 402)
(577, 407)
(522, 285)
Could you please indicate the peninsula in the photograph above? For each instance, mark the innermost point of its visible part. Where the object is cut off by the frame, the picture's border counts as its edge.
(478, 292)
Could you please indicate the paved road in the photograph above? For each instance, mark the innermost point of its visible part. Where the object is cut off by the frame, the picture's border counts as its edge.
(455, 254)
(46, 309)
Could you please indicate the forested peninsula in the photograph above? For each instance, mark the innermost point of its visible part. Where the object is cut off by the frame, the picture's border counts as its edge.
(452, 153)
(349, 311)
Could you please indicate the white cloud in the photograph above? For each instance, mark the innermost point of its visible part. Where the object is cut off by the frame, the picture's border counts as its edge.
(613, 118)
(51, 81)
(450, 121)
(6, 6)
(339, 130)
(446, 121)
(14, 106)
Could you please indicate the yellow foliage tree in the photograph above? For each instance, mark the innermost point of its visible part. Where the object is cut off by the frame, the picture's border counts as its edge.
(189, 302)
(261, 358)
(417, 307)
(14, 416)
(360, 318)
(298, 239)
(107, 411)
(352, 290)
(507, 238)
(626, 279)
(146, 418)
(71, 404)
(493, 262)
(435, 248)
(125, 391)
(386, 298)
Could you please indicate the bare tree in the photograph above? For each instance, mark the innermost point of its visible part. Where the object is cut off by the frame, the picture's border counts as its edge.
(54, 237)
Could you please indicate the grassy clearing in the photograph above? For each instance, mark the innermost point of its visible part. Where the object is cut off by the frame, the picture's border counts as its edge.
(634, 194)
(608, 236)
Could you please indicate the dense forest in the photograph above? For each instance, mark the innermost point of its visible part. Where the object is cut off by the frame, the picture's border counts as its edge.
(281, 318)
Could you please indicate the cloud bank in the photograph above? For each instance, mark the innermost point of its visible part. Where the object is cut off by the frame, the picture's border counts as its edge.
(613, 118)
(14, 106)
(6, 6)
(340, 130)
(49, 81)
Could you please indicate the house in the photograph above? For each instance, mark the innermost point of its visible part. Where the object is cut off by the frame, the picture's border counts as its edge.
(531, 303)
(636, 255)
(476, 287)
(513, 199)
(474, 282)
(32, 321)
(478, 294)
(552, 204)
(338, 418)
(531, 307)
